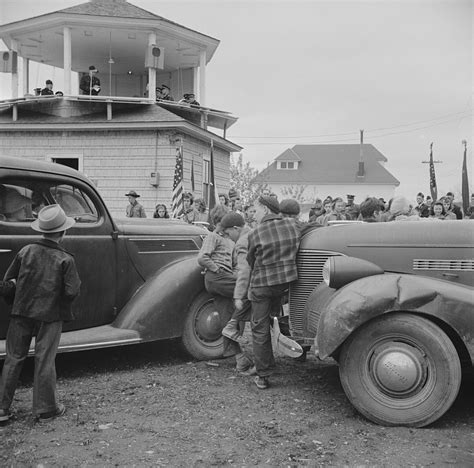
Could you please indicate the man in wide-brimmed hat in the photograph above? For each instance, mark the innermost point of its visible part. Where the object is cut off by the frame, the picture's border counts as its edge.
(46, 284)
(134, 209)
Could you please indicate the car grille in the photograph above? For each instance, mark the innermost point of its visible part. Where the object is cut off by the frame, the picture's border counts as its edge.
(310, 274)
(452, 265)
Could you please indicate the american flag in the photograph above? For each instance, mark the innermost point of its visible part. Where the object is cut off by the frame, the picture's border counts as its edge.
(177, 198)
(433, 187)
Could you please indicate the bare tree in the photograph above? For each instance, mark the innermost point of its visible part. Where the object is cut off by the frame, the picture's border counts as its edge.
(242, 178)
(296, 192)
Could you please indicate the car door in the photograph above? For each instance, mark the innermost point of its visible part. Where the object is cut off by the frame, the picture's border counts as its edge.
(89, 240)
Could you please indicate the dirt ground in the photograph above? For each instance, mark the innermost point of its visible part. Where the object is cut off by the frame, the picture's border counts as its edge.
(149, 405)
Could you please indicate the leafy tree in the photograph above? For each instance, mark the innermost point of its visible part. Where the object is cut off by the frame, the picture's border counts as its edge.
(242, 178)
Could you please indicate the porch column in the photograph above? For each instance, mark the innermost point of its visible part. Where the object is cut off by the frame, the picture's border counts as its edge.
(196, 82)
(67, 56)
(26, 75)
(202, 77)
(14, 48)
(151, 71)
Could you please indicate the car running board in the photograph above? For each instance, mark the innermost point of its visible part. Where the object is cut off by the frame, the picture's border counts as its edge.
(104, 336)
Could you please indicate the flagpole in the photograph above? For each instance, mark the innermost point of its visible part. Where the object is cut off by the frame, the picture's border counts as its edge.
(465, 181)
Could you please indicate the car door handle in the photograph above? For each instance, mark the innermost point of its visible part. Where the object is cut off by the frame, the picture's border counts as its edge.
(451, 275)
(5, 250)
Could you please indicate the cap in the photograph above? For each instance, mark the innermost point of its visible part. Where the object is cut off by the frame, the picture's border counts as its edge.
(350, 197)
(420, 194)
(52, 218)
(270, 202)
(92, 68)
(165, 86)
(232, 219)
(132, 193)
(290, 207)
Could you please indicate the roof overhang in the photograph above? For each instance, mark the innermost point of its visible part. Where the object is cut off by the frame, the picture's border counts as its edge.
(184, 126)
(95, 38)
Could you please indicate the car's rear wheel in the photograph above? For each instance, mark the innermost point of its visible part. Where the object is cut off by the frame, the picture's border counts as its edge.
(202, 329)
(400, 369)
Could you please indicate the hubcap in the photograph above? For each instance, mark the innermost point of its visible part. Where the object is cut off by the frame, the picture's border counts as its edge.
(398, 369)
(208, 324)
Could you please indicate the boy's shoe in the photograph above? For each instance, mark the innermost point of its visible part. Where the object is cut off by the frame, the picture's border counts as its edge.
(250, 371)
(231, 331)
(4, 415)
(261, 382)
(60, 410)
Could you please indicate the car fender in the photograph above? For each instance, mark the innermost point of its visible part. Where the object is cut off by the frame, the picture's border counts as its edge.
(362, 300)
(158, 308)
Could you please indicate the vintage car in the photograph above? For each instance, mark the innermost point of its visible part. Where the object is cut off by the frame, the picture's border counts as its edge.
(393, 303)
(140, 278)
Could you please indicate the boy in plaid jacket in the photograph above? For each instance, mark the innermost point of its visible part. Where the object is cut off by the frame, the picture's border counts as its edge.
(272, 256)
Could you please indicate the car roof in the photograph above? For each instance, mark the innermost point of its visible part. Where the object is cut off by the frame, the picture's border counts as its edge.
(8, 162)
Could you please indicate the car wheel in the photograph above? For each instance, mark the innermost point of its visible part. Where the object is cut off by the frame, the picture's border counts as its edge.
(400, 369)
(202, 329)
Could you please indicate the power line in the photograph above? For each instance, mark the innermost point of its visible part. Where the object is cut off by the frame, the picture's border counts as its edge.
(466, 112)
(355, 137)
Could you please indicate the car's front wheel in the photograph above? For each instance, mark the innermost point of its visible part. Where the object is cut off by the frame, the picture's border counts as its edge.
(400, 369)
(202, 329)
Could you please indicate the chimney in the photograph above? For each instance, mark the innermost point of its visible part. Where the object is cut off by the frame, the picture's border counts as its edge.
(361, 171)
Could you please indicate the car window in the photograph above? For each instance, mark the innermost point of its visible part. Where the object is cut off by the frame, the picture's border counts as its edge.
(75, 203)
(21, 201)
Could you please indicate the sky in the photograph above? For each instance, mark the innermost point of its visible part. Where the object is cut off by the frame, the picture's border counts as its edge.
(318, 71)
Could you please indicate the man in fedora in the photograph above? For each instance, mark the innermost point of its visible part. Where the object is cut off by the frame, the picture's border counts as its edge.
(134, 209)
(90, 84)
(165, 93)
(46, 284)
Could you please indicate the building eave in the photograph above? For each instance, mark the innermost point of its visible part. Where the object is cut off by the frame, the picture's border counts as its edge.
(183, 126)
(158, 26)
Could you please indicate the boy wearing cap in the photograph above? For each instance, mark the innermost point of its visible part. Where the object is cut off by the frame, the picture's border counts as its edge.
(134, 209)
(48, 90)
(271, 254)
(165, 93)
(46, 284)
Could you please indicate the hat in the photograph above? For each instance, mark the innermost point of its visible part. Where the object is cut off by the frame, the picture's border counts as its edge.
(92, 68)
(350, 197)
(132, 193)
(165, 86)
(232, 219)
(12, 201)
(186, 96)
(270, 202)
(158, 89)
(49, 82)
(191, 94)
(420, 194)
(52, 218)
(290, 207)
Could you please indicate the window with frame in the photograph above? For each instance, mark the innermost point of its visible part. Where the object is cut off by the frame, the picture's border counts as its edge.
(22, 200)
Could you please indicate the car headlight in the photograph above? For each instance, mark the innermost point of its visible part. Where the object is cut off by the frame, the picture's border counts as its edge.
(339, 271)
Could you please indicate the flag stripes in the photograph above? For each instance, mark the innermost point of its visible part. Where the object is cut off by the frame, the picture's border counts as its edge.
(177, 197)
(433, 187)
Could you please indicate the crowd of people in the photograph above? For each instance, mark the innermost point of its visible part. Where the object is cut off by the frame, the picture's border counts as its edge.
(322, 212)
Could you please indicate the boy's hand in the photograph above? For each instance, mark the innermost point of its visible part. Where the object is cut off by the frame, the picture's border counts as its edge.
(239, 304)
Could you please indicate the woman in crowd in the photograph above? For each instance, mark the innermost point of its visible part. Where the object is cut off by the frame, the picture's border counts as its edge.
(190, 212)
(448, 208)
(338, 211)
(437, 210)
(202, 214)
(161, 211)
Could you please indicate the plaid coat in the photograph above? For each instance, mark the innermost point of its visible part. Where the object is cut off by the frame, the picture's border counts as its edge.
(272, 251)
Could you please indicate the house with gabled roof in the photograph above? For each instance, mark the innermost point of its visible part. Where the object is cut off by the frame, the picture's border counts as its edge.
(313, 171)
(123, 138)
